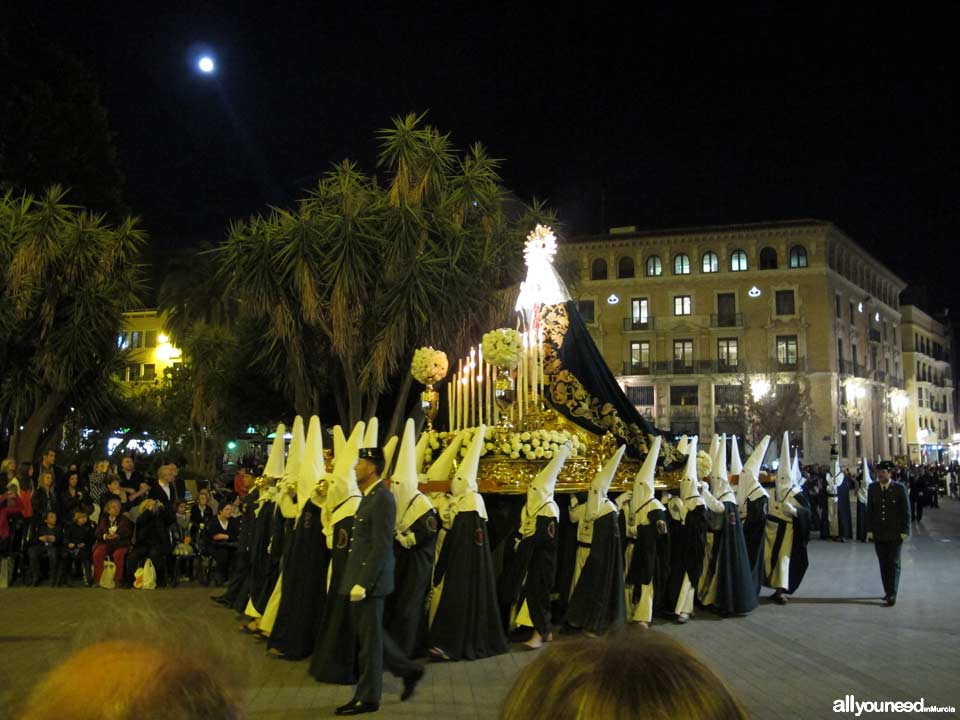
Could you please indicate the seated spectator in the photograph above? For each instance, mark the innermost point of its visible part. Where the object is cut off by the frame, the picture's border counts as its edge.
(44, 498)
(78, 539)
(223, 538)
(642, 675)
(11, 506)
(97, 481)
(152, 539)
(73, 498)
(201, 515)
(163, 678)
(47, 543)
(114, 532)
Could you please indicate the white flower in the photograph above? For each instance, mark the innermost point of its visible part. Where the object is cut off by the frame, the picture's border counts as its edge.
(502, 347)
(429, 366)
(527, 448)
(515, 455)
(525, 436)
(538, 452)
(530, 456)
(506, 449)
(548, 454)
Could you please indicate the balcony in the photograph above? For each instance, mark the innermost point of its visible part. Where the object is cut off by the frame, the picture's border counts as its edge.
(727, 320)
(873, 335)
(636, 368)
(631, 323)
(672, 367)
(684, 412)
(787, 366)
(861, 371)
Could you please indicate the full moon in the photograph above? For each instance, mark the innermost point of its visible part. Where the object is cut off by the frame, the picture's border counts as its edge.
(205, 64)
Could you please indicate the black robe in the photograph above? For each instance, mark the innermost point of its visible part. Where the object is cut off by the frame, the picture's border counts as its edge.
(861, 520)
(844, 516)
(405, 611)
(238, 589)
(650, 561)
(335, 650)
(530, 573)
(280, 538)
(466, 625)
(598, 602)
(755, 535)
(799, 561)
(688, 542)
(304, 587)
(731, 566)
(262, 577)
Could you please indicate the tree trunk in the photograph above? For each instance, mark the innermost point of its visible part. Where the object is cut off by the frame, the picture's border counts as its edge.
(371, 410)
(398, 419)
(34, 427)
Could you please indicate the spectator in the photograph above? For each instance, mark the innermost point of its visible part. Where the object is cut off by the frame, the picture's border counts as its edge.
(114, 532)
(73, 498)
(165, 491)
(222, 536)
(116, 491)
(8, 471)
(48, 544)
(11, 506)
(25, 481)
(201, 515)
(643, 675)
(97, 481)
(48, 464)
(44, 498)
(78, 539)
(132, 679)
(153, 540)
(132, 479)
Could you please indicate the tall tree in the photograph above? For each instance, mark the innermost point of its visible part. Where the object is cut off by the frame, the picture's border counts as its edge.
(68, 277)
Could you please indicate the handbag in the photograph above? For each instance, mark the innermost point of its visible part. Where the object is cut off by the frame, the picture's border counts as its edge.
(108, 575)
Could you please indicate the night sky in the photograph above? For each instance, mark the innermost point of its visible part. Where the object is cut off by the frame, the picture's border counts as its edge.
(660, 118)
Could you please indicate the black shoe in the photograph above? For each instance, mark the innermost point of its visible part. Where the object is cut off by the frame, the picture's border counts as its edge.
(410, 683)
(890, 601)
(357, 707)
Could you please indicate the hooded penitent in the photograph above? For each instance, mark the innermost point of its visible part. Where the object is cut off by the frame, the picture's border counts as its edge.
(834, 477)
(865, 483)
(411, 503)
(463, 487)
(749, 487)
(274, 468)
(597, 502)
(342, 481)
(784, 474)
(690, 483)
(371, 436)
(339, 439)
(312, 465)
(291, 471)
(540, 490)
(719, 480)
(795, 476)
(714, 445)
(736, 466)
(442, 467)
(643, 482)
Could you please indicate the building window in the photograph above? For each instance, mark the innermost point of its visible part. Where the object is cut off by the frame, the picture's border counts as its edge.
(768, 259)
(640, 395)
(682, 355)
(787, 351)
(843, 395)
(639, 357)
(598, 269)
(639, 312)
(738, 261)
(136, 340)
(852, 316)
(839, 312)
(681, 264)
(625, 267)
(684, 395)
(586, 310)
(728, 356)
(133, 372)
(709, 263)
(857, 440)
(798, 256)
(654, 266)
(149, 371)
(883, 331)
(844, 440)
(785, 302)
(728, 394)
(682, 305)
(150, 339)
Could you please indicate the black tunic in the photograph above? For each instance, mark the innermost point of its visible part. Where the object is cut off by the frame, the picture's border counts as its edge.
(335, 650)
(651, 559)
(735, 594)
(755, 535)
(405, 610)
(598, 602)
(861, 520)
(238, 589)
(466, 625)
(262, 577)
(531, 572)
(688, 541)
(798, 549)
(304, 587)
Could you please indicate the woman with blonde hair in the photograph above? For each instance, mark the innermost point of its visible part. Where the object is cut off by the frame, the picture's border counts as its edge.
(644, 675)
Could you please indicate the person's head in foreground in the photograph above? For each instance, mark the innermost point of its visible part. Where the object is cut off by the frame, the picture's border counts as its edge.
(638, 674)
(158, 682)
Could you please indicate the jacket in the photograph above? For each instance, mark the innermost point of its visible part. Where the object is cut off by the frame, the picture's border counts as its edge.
(370, 563)
(888, 511)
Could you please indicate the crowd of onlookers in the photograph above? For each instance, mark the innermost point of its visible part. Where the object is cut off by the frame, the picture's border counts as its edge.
(64, 525)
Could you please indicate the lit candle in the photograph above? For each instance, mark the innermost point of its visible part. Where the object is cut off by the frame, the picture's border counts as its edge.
(450, 396)
(540, 354)
(522, 379)
(459, 393)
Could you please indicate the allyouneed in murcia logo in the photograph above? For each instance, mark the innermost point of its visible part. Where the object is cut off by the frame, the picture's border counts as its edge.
(849, 704)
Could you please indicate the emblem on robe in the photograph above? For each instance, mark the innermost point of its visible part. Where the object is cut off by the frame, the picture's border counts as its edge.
(732, 518)
(478, 536)
(552, 529)
(431, 524)
(342, 539)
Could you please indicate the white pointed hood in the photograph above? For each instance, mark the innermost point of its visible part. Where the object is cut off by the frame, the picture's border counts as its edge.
(864, 483)
(342, 481)
(339, 439)
(796, 477)
(540, 490)
(643, 482)
(690, 483)
(389, 448)
(465, 479)
(750, 474)
(784, 475)
(312, 465)
(736, 466)
(683, 445)
(719, 479)
(411, 503)
(442, 467)
(371, 437)
(291, 470)
(714, 444)
(601, 484)
(421, 450)
(274, 468)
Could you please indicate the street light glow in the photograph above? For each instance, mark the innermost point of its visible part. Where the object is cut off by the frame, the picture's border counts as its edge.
(205, 64)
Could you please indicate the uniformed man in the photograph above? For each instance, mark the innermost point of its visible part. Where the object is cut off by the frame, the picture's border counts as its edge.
(888, 524)
(368, 579)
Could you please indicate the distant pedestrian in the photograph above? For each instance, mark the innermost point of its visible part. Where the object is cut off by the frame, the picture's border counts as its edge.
(888, 524)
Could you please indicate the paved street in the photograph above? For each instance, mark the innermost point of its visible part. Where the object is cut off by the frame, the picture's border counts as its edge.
(833, 639)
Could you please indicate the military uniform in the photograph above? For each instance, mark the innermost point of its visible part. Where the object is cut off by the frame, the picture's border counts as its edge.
(888, 518)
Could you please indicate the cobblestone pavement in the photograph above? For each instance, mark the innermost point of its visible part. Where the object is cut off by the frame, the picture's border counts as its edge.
(834, 638)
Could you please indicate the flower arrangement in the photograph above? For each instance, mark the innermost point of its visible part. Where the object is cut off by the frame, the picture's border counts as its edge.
(532, 445)
(429, 366)
(704, 464)
(502, 347)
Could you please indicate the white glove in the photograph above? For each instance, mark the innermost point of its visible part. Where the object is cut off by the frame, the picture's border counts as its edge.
(357, 593)
(407, 539)
(870, 537)
(573, 501)
(790, 509)
(624, 498)
(903, 536)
